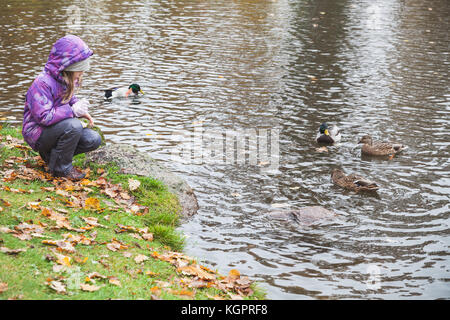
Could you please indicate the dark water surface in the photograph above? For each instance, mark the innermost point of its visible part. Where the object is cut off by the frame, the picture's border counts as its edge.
(378, 67)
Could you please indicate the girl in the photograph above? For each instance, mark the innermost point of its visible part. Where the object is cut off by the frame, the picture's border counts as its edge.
(50, 125)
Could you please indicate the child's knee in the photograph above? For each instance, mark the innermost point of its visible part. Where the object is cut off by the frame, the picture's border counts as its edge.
(73, 125)
(97, 140)
(93, 139)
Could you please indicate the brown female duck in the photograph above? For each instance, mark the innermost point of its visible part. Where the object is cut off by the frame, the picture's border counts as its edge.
(352, 182)
(377, 148)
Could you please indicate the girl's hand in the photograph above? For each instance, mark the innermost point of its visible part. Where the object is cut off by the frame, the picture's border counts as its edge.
(91, 121)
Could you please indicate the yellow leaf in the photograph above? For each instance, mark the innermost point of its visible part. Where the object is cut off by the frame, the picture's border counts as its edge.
(234, 274)
(66, 261)
(92, 203)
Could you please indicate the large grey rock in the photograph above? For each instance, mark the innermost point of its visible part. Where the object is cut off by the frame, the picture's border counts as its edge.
(131, 161)
(305, 216)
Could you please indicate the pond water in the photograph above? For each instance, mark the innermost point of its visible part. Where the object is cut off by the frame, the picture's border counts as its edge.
(277, 68)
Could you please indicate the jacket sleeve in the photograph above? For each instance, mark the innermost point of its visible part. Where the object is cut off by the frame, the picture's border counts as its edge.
(42, 108)
(73, 100)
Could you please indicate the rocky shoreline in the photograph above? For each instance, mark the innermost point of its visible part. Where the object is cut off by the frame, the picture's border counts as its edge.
(132, 161)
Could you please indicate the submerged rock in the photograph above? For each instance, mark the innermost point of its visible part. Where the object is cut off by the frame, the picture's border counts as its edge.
(305, 216)
(131, 161)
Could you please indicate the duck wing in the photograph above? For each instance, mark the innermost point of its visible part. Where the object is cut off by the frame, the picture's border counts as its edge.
(363, 183)
(108, 92)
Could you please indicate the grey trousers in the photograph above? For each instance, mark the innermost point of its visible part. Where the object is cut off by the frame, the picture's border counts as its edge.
(58, 144)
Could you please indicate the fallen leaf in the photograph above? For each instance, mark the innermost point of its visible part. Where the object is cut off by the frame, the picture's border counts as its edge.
(234, 274)
(127, 254)
(113, 280)
(3, 287)
(148, 236)
(5, 230)
(34, 205)
(182, 293)
(63, 260)
(92, 203)
(235, 296)
(133, 184)
(61, 244)
(93, 221)
(197, 284)
(89, 287)
(93, 275)
(140, 258)
(58, 286)
(5, 203)
(11, 251)
(195, 270)
(115, 245)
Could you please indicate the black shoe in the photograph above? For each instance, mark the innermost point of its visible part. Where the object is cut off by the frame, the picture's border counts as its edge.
(73, 174)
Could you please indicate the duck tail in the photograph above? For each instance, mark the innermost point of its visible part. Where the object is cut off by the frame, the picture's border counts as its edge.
(108, 93)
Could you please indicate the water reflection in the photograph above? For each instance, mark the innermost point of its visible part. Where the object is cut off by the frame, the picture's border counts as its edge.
(370, 67)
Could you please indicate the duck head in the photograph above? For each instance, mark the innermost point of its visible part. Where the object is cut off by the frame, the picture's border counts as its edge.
(135, 88)
(367, 139)
(337, 174)
(323, 129)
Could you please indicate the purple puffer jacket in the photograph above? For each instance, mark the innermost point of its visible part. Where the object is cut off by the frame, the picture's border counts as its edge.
(43, 106)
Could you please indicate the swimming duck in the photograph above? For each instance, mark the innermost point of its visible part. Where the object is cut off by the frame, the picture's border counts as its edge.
(328, 134)
(352, 182)
(123, 92)
(378, 148)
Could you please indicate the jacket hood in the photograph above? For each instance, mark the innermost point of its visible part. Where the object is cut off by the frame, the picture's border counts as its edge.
(66, 51)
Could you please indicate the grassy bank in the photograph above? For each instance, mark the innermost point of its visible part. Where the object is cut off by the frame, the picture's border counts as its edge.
(109, 236)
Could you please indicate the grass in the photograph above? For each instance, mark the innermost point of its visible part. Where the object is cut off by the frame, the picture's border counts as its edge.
(28, 274)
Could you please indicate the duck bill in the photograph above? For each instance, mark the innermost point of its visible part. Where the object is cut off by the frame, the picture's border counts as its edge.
(326, 132)
(141, 91)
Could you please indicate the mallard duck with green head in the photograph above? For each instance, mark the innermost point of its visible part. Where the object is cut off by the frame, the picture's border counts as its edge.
(378, 148)
(328, 135)
(123, 92)
(352, 182)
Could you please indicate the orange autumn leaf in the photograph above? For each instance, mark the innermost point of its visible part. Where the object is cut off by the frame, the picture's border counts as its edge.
(61, 244)
(182, 292)
(63, 260)
(5, 203)
(92, 203)
(195, 270)
(234, 274)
